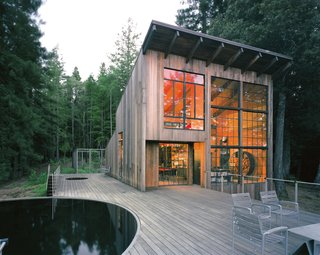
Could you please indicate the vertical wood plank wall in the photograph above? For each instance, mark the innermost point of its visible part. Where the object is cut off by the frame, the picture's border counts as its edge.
(140, 117)
(129, 121)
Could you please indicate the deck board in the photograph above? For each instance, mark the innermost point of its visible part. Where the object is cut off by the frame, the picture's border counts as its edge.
(173, 219)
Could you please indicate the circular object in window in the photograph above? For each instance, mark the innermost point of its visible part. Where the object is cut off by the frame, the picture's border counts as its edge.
(248, 162)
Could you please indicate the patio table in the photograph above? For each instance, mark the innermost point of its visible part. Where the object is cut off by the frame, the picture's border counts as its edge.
(312, 233)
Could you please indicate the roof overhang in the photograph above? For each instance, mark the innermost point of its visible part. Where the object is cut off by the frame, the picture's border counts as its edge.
(183, 42)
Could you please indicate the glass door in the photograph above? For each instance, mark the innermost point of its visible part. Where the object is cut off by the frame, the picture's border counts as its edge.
(173, 164)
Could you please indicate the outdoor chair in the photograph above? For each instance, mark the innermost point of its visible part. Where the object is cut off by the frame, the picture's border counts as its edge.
(255, 229)
(281, 208)
(244, 200)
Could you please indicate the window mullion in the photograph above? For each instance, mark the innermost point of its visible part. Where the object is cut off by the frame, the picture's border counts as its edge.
(184, 101)
(173, 98)
(240, 103)
(194, 101)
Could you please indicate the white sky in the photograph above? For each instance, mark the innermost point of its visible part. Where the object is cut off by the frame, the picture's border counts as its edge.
(85, 30)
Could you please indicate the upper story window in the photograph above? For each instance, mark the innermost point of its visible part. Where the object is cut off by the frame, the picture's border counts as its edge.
(183, 105)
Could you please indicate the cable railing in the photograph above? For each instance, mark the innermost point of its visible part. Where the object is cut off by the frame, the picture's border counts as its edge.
(307, 194)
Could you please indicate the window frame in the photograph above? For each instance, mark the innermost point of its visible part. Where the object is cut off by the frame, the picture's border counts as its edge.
(241, 110)
(184, 119)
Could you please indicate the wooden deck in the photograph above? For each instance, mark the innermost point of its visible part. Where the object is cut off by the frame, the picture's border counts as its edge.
(173, 219)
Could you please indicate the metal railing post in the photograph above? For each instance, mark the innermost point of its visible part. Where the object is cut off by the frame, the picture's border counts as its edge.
(265, 184)
(242, 183)
(222, 180)
(296, 191)
(48, 173)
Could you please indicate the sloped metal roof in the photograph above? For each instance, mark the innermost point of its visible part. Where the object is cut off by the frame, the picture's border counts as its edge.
(179, 41)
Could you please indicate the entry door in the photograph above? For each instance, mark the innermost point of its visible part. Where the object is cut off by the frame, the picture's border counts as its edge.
(196, 163)
(173, 164)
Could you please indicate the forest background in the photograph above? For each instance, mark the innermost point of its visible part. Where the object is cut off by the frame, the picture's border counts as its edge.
(46, 114)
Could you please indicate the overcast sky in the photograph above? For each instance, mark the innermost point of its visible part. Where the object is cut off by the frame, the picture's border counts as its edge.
(85, 30)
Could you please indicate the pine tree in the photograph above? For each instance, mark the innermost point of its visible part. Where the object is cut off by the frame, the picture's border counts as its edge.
(22, 97)
(124, 57)
(199, 14)
(54, 78)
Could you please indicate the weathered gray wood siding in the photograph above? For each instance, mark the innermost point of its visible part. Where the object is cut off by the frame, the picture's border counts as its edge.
(130, 121)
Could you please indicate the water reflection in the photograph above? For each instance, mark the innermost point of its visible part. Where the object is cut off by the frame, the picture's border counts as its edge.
(65, 226)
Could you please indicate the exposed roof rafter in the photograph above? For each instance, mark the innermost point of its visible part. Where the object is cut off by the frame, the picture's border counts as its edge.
(282, 70)
(215, 54)
(148, 39)
(273, 61)
(233, 58)
(254, 60)
(195, 47)
(179, 41)
(176, 35)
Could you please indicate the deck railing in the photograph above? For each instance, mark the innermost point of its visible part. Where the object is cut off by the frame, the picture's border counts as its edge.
(307, 194)
(48, 174)
(55, 177)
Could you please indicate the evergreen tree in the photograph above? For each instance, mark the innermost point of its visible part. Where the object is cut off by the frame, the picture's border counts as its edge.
(89, 100)
(22, 95)
(74, 96)
(198, 14)
(54, 79)
(123, 59)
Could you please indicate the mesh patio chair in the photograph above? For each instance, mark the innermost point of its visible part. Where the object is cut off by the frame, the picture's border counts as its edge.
(244, 200)
(255, 229)
(280, 207)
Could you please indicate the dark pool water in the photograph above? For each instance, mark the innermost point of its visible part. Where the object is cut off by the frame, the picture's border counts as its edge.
(65, 226)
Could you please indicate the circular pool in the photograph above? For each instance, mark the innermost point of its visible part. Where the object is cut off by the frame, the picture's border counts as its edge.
(65, 226)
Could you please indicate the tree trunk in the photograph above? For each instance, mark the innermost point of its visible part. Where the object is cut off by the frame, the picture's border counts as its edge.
(74, 158)
(286, 154)
(83, 129)
(72, 123)
(57, 145)
(317, 179)
(278, 157)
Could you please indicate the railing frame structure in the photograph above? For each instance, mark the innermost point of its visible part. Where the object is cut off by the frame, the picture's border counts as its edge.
(79, 157)
(242, 180)
(48, 174)
(55, 177)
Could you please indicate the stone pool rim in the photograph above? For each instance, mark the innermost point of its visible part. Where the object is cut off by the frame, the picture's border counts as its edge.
(134, 239)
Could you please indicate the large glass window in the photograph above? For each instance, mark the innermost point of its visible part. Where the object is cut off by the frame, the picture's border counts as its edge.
(224, 92)
(238, 128)
(183, 100)
(254, 97)
(254, 129)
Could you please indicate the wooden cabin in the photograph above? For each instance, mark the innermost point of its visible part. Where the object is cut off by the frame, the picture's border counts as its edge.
(196, 106)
